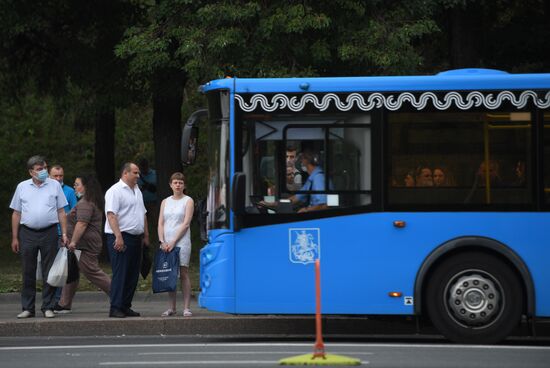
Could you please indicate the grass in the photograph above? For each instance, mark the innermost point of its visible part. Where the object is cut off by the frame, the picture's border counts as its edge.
(11, 278)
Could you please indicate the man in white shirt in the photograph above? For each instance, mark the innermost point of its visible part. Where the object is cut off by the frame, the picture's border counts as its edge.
(37, 206)
(126, 232)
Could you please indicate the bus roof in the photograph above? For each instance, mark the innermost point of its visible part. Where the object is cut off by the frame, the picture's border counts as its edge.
(456, 80)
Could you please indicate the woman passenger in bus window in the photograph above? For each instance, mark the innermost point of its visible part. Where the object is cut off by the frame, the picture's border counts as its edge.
(408, 180)
(291, 184)
(442, 177)
(424, 177)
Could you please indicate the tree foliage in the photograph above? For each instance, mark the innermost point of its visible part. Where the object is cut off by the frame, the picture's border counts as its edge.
(64, 63)
(277, 38)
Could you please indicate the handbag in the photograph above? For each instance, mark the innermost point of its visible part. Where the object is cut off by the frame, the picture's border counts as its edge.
(166, 270)
(73, 271)
(146, 262)
(58, 272)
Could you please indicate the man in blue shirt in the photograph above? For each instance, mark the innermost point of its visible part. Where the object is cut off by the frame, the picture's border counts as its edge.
(314, 182)
(57, 173)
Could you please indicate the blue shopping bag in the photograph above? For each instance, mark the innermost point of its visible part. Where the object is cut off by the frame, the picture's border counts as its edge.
(166, 271)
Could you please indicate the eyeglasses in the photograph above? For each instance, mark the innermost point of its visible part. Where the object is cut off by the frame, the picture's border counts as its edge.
(290, 174)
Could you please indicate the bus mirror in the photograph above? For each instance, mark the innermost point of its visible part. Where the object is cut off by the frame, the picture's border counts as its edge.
(238, 193)
(190, 137)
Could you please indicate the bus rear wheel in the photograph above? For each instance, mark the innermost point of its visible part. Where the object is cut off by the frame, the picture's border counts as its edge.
(474, 298)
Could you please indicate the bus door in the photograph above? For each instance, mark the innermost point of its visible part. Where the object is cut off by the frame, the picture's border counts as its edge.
(304, 174)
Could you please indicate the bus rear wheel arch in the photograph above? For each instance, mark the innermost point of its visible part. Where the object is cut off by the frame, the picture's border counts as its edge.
(474, 297)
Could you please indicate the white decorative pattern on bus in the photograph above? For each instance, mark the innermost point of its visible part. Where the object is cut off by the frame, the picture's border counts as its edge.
(392, 102)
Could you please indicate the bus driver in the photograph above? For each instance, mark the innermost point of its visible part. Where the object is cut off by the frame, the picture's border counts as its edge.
(314, 182)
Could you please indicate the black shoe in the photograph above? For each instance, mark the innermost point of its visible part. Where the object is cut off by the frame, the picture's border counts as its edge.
(115, 313)
(58, 309)
(130, 313)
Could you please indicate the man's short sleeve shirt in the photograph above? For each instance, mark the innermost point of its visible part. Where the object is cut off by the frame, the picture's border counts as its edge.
(38, 205)
(127, 204)
(315, 182)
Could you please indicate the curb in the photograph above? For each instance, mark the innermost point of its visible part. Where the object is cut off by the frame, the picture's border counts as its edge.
(199, 326)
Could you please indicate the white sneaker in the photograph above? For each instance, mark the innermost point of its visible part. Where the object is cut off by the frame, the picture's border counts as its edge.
(49, 314)
(25, 314)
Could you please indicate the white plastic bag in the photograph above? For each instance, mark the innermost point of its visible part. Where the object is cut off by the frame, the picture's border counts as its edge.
(58, 273)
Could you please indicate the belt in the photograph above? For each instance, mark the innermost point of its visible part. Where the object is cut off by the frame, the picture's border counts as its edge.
(134, 235)
(38, 230)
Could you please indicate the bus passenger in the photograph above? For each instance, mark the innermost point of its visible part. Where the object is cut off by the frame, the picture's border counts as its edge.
(519, 174)
(424, 177)
(493, 175)
(408, 180)
(291, 184)
(315, 182)
(291, 157)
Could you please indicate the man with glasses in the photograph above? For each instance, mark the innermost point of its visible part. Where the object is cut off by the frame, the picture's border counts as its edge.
(37, 210)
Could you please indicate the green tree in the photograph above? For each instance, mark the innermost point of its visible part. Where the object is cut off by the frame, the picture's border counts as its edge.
(60, 44)
(188, 42)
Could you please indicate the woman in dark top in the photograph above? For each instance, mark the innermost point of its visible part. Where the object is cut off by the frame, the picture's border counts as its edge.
(84, 229)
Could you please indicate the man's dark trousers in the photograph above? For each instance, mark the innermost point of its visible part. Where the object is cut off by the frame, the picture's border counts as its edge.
(125, 266)
(30, 242)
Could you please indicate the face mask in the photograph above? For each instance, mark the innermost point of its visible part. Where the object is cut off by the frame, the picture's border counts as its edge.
(42, 175)
(78, 195)
(304, 168)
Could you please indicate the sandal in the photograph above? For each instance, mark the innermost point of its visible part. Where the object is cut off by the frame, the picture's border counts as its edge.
(168, 313)
(187, 313)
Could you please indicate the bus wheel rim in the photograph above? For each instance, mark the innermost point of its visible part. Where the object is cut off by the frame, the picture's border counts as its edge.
(474, 298)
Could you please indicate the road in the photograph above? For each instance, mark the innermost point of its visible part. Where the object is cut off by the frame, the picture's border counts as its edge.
(188, 351)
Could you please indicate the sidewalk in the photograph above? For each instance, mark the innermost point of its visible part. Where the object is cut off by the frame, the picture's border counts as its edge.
(90, 317)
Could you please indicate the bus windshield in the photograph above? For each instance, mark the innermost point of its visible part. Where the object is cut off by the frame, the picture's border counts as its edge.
(218, 160)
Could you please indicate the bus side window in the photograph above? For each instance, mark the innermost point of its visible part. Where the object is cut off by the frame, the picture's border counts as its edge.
(463, 159)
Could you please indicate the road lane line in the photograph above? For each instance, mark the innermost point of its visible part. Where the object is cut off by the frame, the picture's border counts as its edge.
(244, 352)
(309, 345)
(187, 362)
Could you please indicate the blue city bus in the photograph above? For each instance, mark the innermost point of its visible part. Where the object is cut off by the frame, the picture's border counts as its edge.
(424, 196)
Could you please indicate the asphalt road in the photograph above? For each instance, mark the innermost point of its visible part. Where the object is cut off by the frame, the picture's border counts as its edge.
(188, 351)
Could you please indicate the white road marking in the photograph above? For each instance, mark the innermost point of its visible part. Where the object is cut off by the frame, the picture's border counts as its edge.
(187, 362)
(309, 345)
(243, 352)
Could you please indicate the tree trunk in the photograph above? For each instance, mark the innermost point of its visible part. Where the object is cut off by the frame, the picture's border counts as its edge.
(167, 103)
(105, 147)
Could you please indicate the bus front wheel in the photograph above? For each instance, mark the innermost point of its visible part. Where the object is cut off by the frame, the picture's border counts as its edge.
(474, 298)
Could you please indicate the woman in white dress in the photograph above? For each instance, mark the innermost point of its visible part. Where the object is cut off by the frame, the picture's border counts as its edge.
(175, 217)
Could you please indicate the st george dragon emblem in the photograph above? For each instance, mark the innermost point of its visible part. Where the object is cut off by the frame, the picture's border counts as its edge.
(304, 245)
